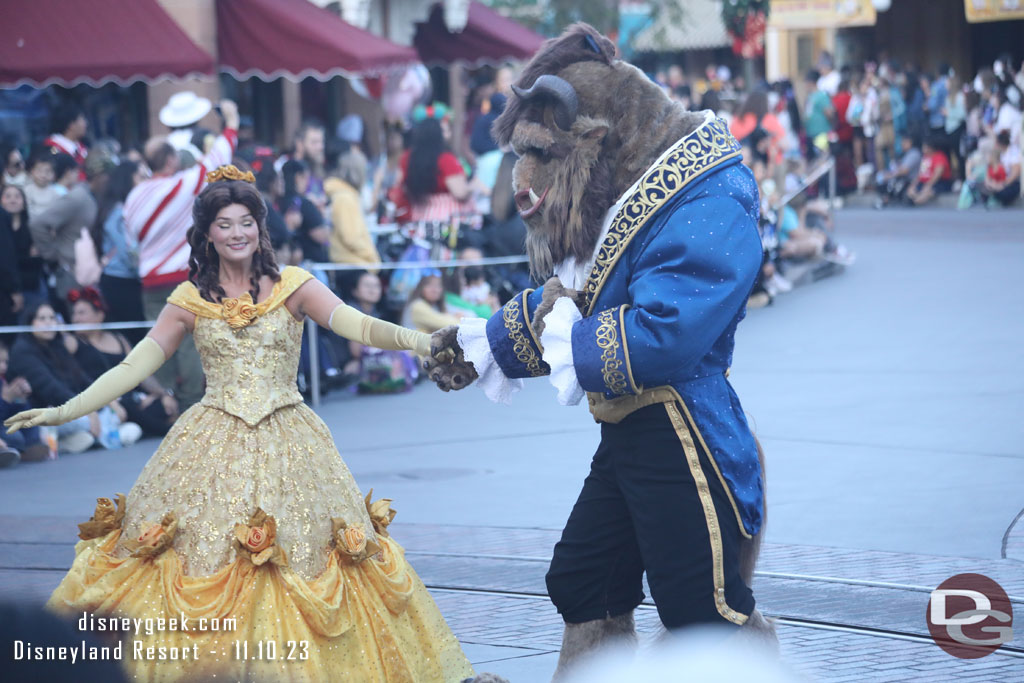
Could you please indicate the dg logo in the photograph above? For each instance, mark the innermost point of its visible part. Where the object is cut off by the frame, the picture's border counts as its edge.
(970, 616)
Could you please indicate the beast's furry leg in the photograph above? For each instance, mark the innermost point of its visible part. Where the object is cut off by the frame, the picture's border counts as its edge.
(750, 548)
(581, 640)
(760, 631)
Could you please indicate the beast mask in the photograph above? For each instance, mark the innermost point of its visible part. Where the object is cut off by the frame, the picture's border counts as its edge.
(585, 126)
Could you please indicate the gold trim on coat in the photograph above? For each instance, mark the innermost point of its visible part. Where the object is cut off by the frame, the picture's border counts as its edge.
(691, 157)
(728, 491)
(529, 324)
(607, 340)
(710, 516)
(520, 345)
(625, 350)
(615, 410)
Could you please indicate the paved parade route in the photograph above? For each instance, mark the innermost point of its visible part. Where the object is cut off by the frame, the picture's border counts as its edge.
(888, 400)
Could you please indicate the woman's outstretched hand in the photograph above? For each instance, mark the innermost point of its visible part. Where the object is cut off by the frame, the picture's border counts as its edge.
(33, 418)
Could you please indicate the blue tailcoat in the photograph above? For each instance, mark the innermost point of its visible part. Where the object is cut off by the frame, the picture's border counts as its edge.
(667, 290)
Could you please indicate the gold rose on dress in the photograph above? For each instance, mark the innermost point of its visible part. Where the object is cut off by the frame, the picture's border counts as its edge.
(155, 538)
(239, 312)
(255, 540)
(350, 542)
(106, 518)
(380, 513)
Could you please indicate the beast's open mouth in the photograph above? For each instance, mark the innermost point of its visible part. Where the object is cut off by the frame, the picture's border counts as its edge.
(528, 201)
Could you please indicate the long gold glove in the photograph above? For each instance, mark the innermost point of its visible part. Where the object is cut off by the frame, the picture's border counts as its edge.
(140, 363)
(357, 326)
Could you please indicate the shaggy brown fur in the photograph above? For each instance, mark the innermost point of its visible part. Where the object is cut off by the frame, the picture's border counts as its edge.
(625, 122)
(750, 548)
(582, 640)
(553, 291)
(760, 631)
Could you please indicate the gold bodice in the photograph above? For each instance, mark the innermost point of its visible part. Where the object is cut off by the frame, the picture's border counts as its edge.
(250, 352)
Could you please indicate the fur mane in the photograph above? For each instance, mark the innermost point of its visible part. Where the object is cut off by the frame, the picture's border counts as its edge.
(624, 122)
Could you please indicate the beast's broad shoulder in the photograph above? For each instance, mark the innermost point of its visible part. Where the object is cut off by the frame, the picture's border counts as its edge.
(730, 181)
(725, 197)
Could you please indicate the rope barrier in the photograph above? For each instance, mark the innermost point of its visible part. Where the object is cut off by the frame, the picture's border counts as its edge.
(396, 265)
(812, 179)
(82, 327)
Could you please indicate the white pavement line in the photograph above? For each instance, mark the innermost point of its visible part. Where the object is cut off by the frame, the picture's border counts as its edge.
(924, 640)
(766, 574)
(786, 621)
(860, 582)
(491, 593)
(923, 450)
(1006, 535)
(536, 653)
(439, 553)
(533, 650)
(468, 439)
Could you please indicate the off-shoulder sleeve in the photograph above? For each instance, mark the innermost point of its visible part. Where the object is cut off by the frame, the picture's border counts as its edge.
(292, 277)
(187, 296)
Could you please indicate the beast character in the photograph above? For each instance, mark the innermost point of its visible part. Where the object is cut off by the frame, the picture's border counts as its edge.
(643, 222)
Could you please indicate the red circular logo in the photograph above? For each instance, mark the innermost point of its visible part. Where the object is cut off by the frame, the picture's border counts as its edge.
(970, 616)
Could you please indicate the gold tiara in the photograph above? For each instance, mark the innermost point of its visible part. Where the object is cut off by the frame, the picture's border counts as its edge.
(229, 172)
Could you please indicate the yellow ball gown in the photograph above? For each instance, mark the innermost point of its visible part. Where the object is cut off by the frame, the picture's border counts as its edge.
(247, 512)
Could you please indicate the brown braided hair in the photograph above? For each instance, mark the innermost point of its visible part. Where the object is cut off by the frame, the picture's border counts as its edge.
(204, 263)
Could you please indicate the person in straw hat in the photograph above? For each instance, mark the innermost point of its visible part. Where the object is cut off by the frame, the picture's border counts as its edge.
(182, 114)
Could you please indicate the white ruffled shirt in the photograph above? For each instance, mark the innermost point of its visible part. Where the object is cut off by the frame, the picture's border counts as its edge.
(556, 339)
(472, 338)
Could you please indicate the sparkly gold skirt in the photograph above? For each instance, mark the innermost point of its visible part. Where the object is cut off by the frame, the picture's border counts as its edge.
(258, 543)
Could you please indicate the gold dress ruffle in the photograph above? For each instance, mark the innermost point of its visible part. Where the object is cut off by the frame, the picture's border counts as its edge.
(252, 444)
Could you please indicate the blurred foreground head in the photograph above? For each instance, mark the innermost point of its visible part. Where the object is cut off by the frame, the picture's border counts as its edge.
(708, 655)
(35, 627)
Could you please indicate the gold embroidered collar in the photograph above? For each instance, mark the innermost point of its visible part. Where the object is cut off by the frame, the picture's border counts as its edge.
(691, 157)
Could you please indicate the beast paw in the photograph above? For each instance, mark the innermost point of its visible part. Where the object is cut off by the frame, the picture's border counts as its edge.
(447, 367)
(553, 291)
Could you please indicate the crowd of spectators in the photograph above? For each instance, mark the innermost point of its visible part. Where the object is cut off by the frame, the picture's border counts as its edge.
(93, 234)
(779, 135)
(891, 129)
(912, 136)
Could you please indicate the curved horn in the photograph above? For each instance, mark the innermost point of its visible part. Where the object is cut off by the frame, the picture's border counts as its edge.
(567, 104)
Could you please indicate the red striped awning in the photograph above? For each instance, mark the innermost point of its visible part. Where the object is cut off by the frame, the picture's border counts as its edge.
(67, 42)
(297, 39)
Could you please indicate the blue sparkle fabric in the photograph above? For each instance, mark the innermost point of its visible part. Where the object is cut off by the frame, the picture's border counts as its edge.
(682, 285)
(667, 314)
(513, 344)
